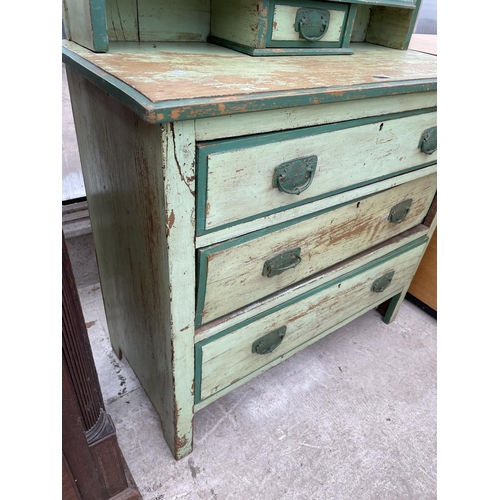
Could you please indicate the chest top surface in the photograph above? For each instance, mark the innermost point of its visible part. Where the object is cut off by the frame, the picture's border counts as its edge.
(169, 82)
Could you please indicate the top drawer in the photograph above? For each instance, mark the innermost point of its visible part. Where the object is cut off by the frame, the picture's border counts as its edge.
(241, 179)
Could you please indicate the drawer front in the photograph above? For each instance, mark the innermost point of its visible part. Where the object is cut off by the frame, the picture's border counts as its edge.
(236, 353)
(243, 270)
(308, 24)
(241, 179)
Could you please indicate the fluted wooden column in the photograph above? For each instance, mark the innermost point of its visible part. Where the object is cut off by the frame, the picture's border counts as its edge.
(93, 465)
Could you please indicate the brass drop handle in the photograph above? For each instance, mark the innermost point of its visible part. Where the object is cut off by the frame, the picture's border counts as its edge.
(295, 176)
(380, 284)
(282, 262)
(269, 342)
(312, 24)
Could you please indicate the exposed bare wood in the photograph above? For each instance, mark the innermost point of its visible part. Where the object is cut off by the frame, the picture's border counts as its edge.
(292, 213)
(220, 127)
(317, 280)
(345, 157)
(123, 161)
(230, 357)
(234, 275)
(163, 74)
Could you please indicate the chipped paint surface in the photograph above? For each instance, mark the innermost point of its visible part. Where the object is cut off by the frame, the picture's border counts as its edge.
(165, 75)
(205, 71)
(216, 81)
(234, 270)
(227, 357)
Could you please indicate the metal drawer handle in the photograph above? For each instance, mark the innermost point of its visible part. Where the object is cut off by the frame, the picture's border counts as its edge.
(312, 24)
(380, 284)
(283, 262)
(269, 342)
(295, 176)
(399, 212)
(428, 140)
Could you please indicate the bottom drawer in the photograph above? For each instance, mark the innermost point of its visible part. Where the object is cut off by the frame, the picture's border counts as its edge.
(240, 351)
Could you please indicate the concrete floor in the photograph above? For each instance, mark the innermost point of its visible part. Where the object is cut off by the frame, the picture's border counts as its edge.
(352, 417)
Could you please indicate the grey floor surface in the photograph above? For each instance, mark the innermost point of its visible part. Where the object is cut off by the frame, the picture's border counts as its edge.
(352, 417)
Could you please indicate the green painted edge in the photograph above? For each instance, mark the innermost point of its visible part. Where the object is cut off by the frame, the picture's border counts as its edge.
(246, 49)
(279, 51)
(199, 345)
(99, 28)
(131, 98)
(190, 109)
(204, 253)
(201, 287)
(305, 44)
(402, 4)
(413, 21)
(198, 362)
(322, 334)
(262, 24)
(392, 305)
(203, 149)
(203, 232)
(349, 26)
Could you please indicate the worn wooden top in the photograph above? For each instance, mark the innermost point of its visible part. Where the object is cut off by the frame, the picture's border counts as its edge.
(176, 81)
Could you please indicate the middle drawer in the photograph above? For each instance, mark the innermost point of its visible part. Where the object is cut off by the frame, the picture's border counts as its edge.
(240, 271)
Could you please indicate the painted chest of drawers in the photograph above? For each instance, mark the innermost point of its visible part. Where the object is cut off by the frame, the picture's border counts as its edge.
(243, 208)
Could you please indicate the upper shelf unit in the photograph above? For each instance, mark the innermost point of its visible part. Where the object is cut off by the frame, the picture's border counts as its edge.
(256, 27)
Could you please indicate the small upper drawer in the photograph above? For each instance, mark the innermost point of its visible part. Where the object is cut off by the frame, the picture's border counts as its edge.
(241, 179)
(308, 24)
(245, 349)
(280, 27)
(242, 270)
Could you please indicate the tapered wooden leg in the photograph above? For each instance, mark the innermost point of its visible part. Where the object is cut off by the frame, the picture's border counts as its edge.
(393, 306)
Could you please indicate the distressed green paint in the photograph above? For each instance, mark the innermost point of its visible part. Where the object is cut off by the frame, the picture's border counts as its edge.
(204, 254)
(390, 310)
(188, 109)
(349, 25)
(281, 51)
(205, 149)
(85, 22)
(128, 96)
(411, 27)
(403, 4)
(402, 23)
(210, 147)
(121, 18)
(305, 44)
(99, 28)
(263, 24)
(198, 362)
(202, 197)
(173, 20)
(198, 346)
